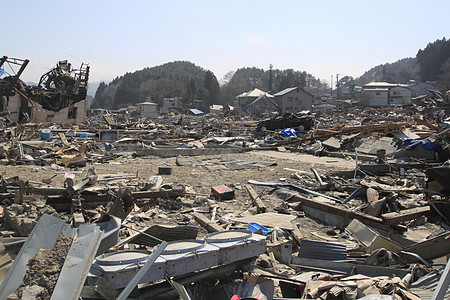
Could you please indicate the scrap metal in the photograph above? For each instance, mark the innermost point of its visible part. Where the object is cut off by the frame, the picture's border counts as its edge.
(60, 87)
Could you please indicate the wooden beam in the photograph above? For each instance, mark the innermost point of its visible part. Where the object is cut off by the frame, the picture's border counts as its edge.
(343, 212)
(63, 138)
(159, 194)
(317, 175)
(435, 247)
(405, 215)
(209, 225)
(254, 196)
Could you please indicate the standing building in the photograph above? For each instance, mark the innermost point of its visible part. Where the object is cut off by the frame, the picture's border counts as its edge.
(148, 109)
(294, 99)
(256, 102)
(384, 94)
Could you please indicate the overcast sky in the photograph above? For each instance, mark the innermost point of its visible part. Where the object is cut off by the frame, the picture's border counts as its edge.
(323, 38)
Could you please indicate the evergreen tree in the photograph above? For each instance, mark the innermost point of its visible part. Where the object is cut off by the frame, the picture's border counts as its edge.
(212, 86)
(191, 89)
(98, 101)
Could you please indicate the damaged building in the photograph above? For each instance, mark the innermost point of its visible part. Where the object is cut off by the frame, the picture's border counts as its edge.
(60, 95)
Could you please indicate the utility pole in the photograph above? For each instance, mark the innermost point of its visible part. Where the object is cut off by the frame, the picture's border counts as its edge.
(270, 77)
(331, 86)
(337, 86)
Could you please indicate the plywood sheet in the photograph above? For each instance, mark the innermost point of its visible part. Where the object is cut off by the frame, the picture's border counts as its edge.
(269, 220)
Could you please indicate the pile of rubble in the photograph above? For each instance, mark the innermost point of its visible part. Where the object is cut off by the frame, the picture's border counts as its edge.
(215, 206)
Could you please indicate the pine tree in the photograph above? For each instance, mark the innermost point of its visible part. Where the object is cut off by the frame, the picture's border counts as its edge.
(213, 88)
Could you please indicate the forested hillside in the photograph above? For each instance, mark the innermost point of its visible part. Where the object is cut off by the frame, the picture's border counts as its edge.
(272, 80)
(188, 81)
(175, 79)
(400, 71)
(430, 64)
(434, 63)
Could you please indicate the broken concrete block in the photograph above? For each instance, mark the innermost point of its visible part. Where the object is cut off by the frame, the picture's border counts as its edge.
(32, 292)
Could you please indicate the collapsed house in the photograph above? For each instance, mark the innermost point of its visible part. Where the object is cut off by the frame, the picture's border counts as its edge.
(60, 95)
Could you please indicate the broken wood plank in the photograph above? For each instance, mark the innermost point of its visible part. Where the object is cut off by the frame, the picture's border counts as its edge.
(47, 191)
(110, 120)
(317, 175)
(159, 194)
(268, 219)
(63, 138)
(425, 123)
(71, 190)
(343, 212)
(435, 247)
(405, 215)
(296, 234)
(209, 225)
(78, 219)
(255, 198)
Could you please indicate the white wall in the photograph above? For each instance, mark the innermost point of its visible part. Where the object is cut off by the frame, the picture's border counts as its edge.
(377, 98)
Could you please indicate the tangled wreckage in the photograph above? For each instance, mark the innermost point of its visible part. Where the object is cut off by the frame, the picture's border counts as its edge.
(60, 94)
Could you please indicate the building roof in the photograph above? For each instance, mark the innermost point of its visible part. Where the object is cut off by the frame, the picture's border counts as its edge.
(285, 91)
(377, 90)
(254, 93)
(196, 111)
(288, 90)
(146, 103)
(380, 84)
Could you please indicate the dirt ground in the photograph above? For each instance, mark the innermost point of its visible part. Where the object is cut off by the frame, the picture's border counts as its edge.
(197, 180)
(200, 178)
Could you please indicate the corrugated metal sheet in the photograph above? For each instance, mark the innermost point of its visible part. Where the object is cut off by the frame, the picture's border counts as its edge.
(425, 286)
(322, 250)
(165, 233)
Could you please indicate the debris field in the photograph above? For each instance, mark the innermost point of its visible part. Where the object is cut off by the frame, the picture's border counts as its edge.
(196, 207)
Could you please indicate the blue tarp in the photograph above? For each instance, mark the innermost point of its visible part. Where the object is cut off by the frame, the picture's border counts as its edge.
(426, 144)
(288, 132)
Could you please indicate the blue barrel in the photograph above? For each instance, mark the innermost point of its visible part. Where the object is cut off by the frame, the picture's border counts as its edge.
(46, 134)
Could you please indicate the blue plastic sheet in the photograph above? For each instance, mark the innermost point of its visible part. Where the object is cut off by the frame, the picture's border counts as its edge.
(288, 132)
(426, 144)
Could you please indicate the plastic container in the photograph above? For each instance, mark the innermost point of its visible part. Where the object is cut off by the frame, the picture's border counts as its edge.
(255, 227)
(46, 134)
